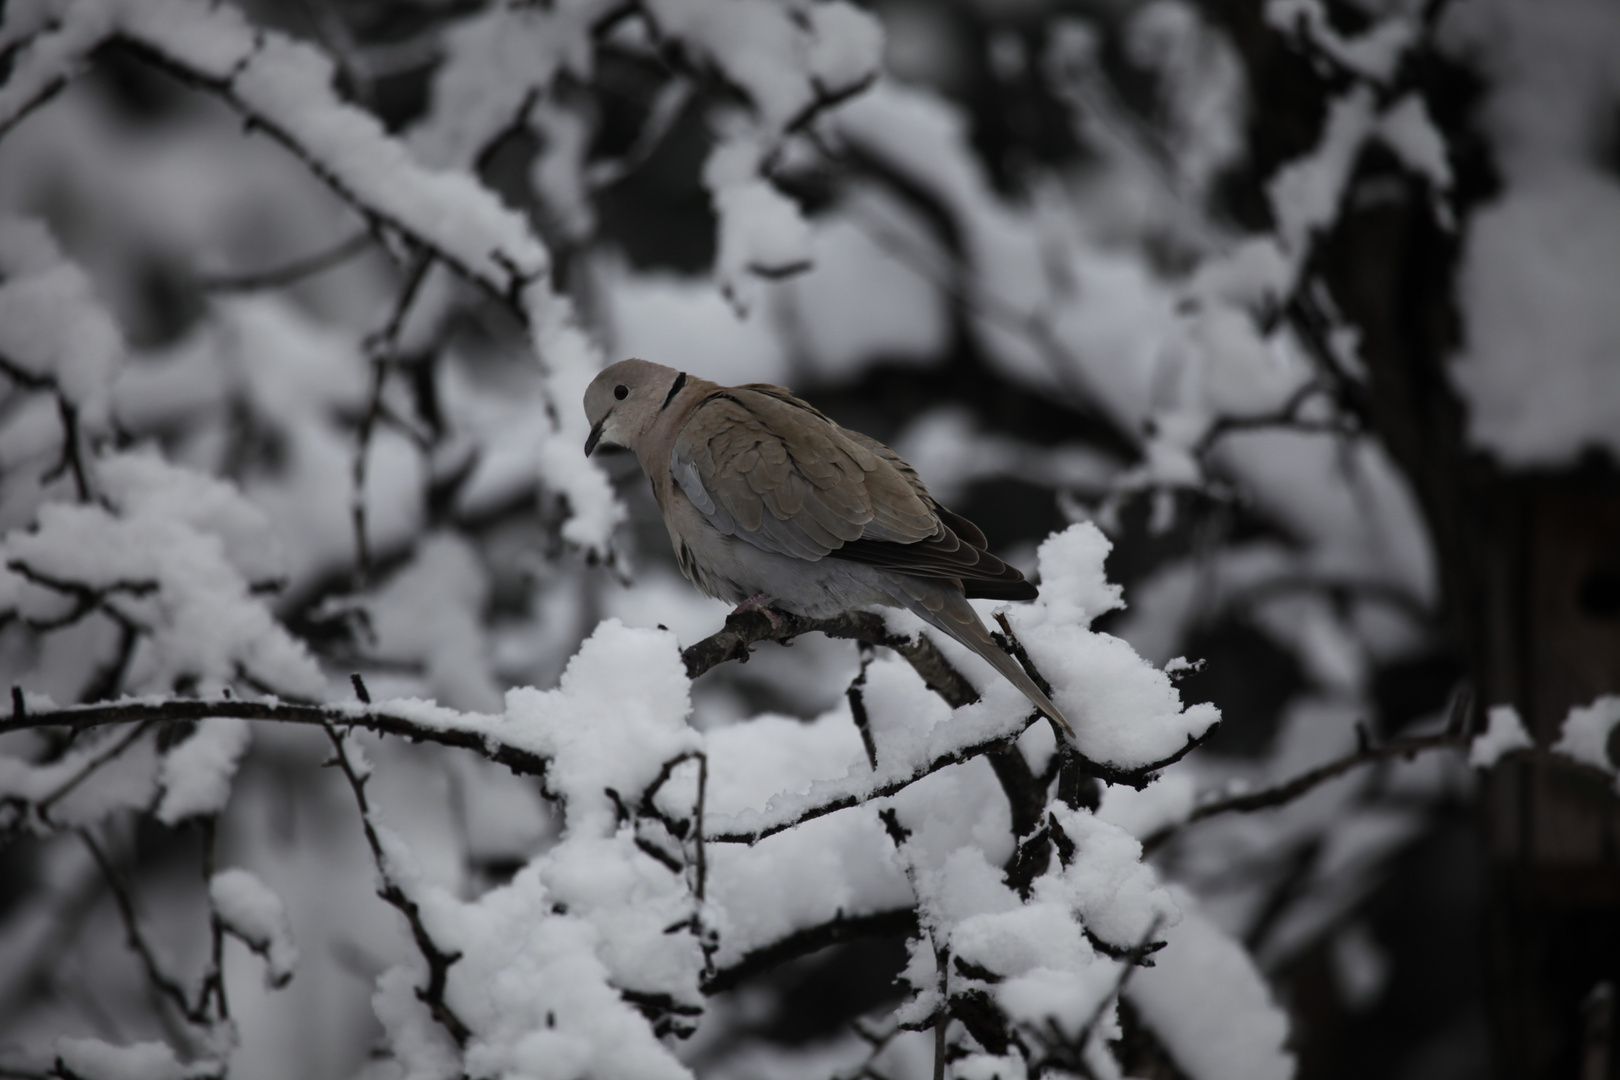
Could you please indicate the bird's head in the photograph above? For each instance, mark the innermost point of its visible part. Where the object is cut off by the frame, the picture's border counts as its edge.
(625, 399)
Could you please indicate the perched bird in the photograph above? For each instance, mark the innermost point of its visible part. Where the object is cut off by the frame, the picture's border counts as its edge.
(770, 504)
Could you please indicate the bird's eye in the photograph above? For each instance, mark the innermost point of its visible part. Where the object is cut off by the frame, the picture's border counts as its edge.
(621, 392)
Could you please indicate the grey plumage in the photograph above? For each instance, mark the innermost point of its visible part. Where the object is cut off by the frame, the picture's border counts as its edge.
(767, 501)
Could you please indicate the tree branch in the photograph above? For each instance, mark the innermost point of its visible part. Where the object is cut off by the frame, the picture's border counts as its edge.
(373, 718)
(1454, 737)
(438, 961)
(288, 273)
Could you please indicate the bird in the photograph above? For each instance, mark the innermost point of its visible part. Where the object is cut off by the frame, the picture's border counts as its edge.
(772, 505)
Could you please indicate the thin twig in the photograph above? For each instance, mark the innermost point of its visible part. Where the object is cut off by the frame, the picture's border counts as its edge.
(213, 982)
(896, 922)
(288, 273)
(438, 961)
(373, 718)
(857, 706)
(115, 748)
(1454, 737)
(383, 348)
(165, 984)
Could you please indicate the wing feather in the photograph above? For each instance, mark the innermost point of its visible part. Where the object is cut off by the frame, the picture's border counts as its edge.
(768, 468)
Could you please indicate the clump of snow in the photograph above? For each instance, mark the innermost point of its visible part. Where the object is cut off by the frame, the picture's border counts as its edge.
(1587, 730)
(92, 1059)
(493, 62)
(950, 452)
(1536, 277)
(1125, 710)
(196, 775)
(1208, 1004)
(570, 360)
(288, 85)
(1162, 804)
(52, 327)
(1050, 972)
(617, 715)
(247, 908)
(860, 300)
(54, 52)
(1116, 896)
(1407, 129)
(1374, 54)
(783, 59)
(762, 231)
(1074, 584)
(171, 576)
(1203, 81)
(1536, 262)
(1305, 195)
(532, 989)
(1504, 733)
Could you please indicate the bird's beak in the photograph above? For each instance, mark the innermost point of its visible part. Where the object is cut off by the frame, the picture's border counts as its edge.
(596, 436)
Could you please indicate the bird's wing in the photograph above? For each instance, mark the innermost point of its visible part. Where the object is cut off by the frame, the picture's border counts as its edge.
(768, 468)
(771, 470)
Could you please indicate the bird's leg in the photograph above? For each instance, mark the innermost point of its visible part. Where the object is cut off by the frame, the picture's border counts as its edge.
(760, 602)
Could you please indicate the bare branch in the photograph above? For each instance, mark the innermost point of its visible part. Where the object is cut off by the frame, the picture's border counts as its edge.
(289, 273)
(747, 628)
(167, 986)
(373, 718)
(438, 961)
(841, 928)
(383, 348)
(1454, 737)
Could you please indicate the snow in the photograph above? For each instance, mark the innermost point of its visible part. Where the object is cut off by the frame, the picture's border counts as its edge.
(1305, 194)
(950, 452)
(860, 301)
(196, 775)
(570, 360)
(1126, 712)
(1407, 128)
(430, 613)
(543, 957)
(1536, 281)
(1537, 260)
(1163, 804)
(493, 62)
(687, 324)
(51, 55)
(52, 327)
(762, 231)
(532, 989)
(617, 715)
(1503, 734)
(92, 1059)
(128, 782)
(248, 909)
(1374, 55)
(1587, 730)
(1116, 896)
(1209, 1005)
(172, 575)
(289, 86)
(781, 62)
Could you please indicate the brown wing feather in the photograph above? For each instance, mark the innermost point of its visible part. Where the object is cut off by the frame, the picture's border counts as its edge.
(793, 478)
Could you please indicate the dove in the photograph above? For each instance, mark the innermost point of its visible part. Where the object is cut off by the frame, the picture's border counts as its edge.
(770, 504)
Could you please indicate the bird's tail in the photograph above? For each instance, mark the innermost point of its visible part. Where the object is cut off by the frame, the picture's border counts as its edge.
(948, 611)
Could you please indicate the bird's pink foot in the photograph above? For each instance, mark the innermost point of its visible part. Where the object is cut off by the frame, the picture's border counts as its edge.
(760, 602)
